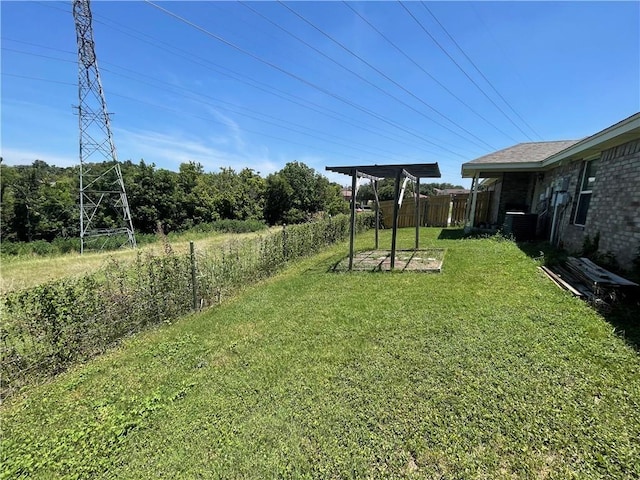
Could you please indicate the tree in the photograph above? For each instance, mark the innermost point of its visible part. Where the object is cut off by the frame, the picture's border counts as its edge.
(154, 197)
(297, 192)
(386, 188)
(277, 200)
(38, 202)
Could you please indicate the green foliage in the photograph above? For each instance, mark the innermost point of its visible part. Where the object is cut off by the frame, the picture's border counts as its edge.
(484, 371)
(590, 245)
(231, 226)
(39, 202)
(49, 327)
(591, 250)
(62, 245)
(386, 189)
(296, 193)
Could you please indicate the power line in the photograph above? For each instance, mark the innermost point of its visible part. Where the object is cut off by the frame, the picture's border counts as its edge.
(295, 99)
(295, 127)
(479, 71)
(359, 125)
(424, 29)
(293, 75)
(27, 77)
(155, 42)
(357, 75)
(208, 119)
(384, 75)
(38, 55)
(364, 19)
(300, 101)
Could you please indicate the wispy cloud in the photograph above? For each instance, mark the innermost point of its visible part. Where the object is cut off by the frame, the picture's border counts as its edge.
(17, 156)
(169, 150)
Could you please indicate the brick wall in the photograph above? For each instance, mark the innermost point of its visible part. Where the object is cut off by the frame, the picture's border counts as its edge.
(614, 211)
(615, 203)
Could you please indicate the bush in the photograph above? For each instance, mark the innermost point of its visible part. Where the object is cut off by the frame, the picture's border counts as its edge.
(49, 327)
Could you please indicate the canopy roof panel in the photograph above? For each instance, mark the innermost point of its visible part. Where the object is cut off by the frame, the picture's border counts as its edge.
(418, 170)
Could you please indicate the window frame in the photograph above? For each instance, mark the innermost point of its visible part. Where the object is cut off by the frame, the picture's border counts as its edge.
(584, 190)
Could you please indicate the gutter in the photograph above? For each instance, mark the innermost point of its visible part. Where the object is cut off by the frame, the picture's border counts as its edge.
(628, 125)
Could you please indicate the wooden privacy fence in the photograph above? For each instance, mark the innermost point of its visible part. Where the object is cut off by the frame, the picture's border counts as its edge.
(406, 214)
(437, 211)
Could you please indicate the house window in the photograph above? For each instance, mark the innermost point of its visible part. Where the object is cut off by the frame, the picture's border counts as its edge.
(586, 188)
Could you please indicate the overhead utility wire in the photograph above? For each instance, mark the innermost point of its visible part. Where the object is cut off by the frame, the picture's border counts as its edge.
(155, 42)
(173, 89)
(181, 112)
(296, 128)
(357, 75)
(303, 102)
(27, 77)
(424, 29)
(502, 51)
(364, 19)
(282, 94)
(479, 71)
(294, 76)
(244, 129)
(38, 55)
(384, 75)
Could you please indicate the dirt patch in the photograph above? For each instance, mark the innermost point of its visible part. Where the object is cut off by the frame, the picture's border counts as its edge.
(428, 260)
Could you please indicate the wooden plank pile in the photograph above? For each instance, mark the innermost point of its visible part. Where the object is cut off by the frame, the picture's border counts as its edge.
(585, 279)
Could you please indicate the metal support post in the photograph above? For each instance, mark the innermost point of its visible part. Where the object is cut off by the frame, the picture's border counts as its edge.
(194, 285)
(352, 233)
(396, 208)
(417, 184)
(375, 193)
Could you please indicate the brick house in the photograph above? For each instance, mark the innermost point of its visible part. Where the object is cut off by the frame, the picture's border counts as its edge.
(571, 190)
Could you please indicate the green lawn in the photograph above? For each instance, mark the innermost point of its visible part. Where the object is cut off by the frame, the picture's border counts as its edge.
(486, 370)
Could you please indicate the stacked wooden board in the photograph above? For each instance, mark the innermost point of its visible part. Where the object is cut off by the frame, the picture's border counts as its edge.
(585, 279)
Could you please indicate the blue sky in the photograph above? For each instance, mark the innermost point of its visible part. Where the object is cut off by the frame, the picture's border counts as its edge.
(260, 84)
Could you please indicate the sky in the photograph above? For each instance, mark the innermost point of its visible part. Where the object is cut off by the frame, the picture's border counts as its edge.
(259, 84)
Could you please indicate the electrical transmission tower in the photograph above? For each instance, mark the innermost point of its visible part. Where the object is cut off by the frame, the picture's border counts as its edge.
(104, 208)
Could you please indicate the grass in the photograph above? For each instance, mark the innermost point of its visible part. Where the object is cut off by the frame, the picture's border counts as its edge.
(22, 271)
(486, 370)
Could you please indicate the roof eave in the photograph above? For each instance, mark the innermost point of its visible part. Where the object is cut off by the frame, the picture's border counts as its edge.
(484, 170)
(626, 130)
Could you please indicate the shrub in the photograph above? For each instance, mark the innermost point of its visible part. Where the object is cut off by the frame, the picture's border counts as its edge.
(49, 327)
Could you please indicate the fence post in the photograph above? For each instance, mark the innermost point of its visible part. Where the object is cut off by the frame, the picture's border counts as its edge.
(194, 286)
(284, 241)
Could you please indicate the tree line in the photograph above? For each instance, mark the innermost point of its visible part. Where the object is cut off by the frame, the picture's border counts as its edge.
(40, 201)
(386, 188)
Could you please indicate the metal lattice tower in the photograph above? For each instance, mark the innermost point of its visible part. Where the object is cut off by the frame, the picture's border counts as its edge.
(101, 183)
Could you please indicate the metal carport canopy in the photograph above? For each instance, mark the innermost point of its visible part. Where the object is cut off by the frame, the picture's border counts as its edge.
(417, 170)
(413, 171)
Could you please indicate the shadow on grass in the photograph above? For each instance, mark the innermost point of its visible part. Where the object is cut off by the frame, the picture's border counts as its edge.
(544, 252)
(452, 234)
(623, 313)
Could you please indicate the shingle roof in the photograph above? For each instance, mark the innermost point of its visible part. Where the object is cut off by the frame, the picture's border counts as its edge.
(525, 152)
